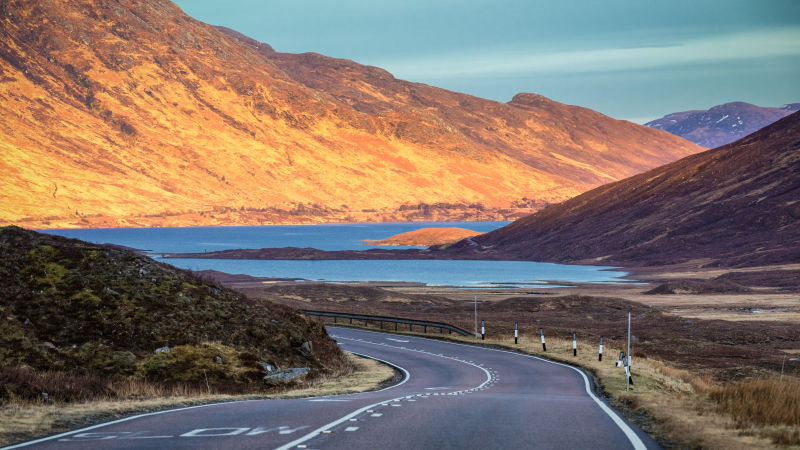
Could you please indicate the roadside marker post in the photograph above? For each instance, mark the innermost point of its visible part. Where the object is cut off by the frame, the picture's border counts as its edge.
(574, 345)
(541, 333)
(483, 329)
(629, 381)
(628, 360)
(515, 333)
(629, 340)
(476, 316)
(619, 361)
(600, 352)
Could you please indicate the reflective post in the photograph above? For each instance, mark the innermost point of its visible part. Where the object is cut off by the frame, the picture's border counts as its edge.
(515, 333)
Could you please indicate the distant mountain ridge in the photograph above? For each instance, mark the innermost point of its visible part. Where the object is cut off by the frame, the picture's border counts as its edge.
(735, 205)
(721, 124)
(131, 113)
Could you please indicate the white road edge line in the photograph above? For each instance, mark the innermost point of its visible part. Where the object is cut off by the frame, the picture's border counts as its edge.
(634, 439)
(341, 420)
(139, 416)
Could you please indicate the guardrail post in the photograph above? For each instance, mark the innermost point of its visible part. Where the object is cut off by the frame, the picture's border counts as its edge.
(410, 326)
(395, 326)
(381, 324)
(334, 319)
(424, 328)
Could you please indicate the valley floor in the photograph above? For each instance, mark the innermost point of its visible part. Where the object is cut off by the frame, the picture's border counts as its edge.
(714, 329)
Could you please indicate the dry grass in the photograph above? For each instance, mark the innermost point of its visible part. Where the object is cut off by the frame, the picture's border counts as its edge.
(22, 420)
(764, 401)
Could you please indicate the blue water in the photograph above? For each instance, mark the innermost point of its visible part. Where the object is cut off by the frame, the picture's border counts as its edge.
(339, 237)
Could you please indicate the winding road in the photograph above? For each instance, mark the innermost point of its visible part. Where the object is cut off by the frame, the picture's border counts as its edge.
(452, 396)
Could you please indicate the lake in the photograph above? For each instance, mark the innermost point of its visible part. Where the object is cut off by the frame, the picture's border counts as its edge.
(340, 237)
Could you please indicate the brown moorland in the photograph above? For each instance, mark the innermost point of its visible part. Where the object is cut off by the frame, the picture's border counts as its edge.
(131, 113)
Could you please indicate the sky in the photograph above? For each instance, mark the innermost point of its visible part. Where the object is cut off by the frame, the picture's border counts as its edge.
(630, 59)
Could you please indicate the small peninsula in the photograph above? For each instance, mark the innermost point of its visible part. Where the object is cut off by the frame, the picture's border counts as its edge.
(426, 237)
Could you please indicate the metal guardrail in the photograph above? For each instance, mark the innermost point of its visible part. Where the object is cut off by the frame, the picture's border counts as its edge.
(396, 320)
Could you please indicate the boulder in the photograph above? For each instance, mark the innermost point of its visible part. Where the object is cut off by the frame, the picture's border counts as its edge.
(287, 375)
(267, 366)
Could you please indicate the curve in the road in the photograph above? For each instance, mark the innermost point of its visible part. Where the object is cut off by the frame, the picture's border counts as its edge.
(407, 375)
(452, 396)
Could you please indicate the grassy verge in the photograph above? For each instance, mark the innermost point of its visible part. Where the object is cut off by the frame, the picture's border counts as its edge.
(685, 410)
(24, 420)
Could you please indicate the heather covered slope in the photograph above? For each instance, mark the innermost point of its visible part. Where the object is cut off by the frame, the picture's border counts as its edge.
(584, 147)
(133, 113)
(737, 205)
(82, 310)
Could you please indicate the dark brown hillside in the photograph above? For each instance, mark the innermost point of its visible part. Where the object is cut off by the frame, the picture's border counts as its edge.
(738, 205)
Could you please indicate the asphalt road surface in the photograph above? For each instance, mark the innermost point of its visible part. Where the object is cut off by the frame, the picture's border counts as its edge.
(452, 396)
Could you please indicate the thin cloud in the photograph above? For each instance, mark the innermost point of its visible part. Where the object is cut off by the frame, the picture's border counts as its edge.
(770, 43)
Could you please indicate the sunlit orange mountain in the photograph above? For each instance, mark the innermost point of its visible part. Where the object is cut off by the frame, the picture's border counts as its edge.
(126, 113)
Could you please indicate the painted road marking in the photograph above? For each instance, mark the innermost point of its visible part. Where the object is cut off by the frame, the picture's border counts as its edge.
(203, 432)
(396, 340)
(198, 432)
(319, 430)
(351, 429)
(377, 415)
(126, 419)
(329, 400)
(634, 439)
